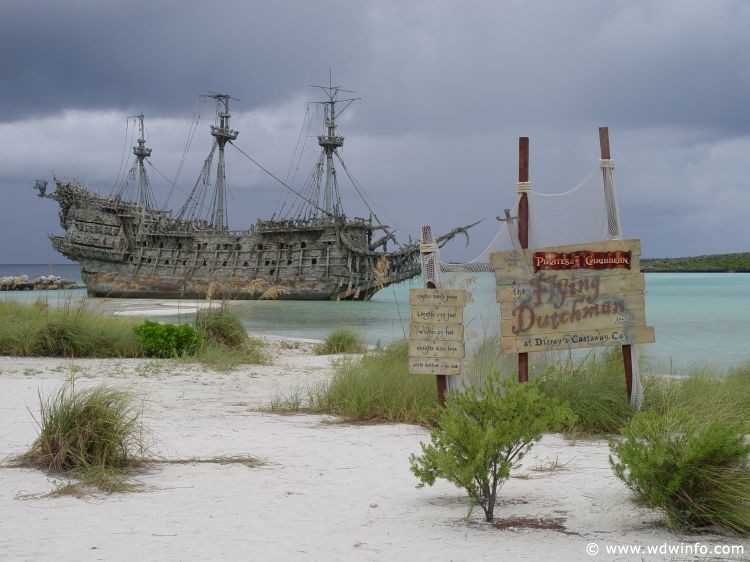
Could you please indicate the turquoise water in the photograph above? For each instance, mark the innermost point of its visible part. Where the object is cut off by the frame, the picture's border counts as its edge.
(699, 318)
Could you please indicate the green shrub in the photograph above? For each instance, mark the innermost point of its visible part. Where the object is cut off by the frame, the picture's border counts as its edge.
(167, 340)
(691, 467)
(482, 434)
(595, 390)
(88, 432)
(341, 340)
(378, 387)
(219, 325)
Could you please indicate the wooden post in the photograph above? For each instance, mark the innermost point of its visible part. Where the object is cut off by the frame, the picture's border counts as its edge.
(627, 357)
(431, 277)
(523, 231)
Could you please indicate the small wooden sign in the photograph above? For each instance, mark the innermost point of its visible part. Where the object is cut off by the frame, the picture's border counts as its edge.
(439, 366)
(436, 348)
(445, 332)
(567, 297)
(436, 331)
(437, 314)
(449, 297)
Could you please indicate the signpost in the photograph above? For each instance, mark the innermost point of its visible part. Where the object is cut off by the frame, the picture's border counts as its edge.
(573, 296)
(436, 330)
(436, 343)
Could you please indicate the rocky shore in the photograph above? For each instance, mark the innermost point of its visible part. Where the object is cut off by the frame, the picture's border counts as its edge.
(41, 283)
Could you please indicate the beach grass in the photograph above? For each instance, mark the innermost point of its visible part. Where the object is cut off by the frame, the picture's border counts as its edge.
(593, 388)
(68, 331)
(341, 340)
(37, 330)
(94, 435)
(226, 342)
(220, 326)
(223, 358)
(378, 388)
(737, 383)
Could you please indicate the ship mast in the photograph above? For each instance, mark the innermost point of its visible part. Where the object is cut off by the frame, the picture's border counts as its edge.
(222, 132)
(136, 177)
(330, 141)
(141, 153)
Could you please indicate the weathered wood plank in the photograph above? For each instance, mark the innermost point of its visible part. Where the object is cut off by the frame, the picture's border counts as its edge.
(513, 258)
(511, 326)
(436, 348)
(442, 297)
(428, 366)
(524, 274)
(579, 339)
(570, 287)
(444, 332)
(437, 314)
(580, 310)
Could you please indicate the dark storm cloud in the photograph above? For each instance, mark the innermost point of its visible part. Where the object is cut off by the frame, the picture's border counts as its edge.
(447, 88)
(490, 65)
(154, 56)
(420, 65)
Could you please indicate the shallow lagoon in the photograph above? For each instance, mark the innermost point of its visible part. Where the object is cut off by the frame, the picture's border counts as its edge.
(699, 318)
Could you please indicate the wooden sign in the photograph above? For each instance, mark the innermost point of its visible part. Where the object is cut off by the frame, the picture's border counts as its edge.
(436, 348)
(437, 314)
(436, 331)
(450, 297)
(566, 297)
(440, 366)
(445, 332)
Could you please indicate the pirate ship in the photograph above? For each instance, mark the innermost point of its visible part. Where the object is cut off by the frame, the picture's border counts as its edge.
(128, 247)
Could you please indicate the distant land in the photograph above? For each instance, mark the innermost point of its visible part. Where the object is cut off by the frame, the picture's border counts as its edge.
(714, 263)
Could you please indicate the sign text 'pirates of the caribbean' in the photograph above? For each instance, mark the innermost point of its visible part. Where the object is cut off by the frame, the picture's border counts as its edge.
(556, 261)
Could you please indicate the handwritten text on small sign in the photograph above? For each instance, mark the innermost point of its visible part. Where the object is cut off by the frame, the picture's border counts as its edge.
(445, 332)
(436, 331)
(439, 366)
(437, 314)
(435, 348)
(448, 297)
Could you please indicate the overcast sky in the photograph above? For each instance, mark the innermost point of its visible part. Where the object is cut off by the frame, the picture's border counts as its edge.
(447, 88)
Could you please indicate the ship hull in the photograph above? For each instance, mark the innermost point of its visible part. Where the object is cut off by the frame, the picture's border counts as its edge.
(126, 251)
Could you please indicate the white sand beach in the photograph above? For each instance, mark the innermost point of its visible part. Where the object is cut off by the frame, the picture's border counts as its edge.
(328, 490)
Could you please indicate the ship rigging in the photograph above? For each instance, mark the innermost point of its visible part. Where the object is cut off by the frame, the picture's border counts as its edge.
(128, 247)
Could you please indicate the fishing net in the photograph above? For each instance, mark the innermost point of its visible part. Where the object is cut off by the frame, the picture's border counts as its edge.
(585, 213)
